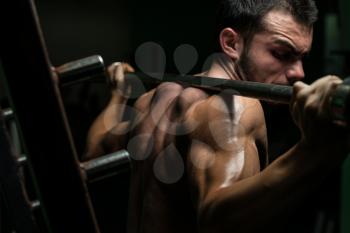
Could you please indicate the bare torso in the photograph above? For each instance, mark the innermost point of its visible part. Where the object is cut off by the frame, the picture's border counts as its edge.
(172, 126)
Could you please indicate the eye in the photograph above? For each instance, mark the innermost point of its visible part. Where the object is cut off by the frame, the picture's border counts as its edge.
(283, 56)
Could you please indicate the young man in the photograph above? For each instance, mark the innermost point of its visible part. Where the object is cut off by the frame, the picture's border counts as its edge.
(200, 161)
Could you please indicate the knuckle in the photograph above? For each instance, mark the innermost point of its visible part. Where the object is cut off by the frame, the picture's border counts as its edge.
(335, 82)
(301, 97)
(331, 79)
(297, 87)
(334, 78)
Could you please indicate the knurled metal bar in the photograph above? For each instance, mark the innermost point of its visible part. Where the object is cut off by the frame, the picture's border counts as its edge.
(42, 121)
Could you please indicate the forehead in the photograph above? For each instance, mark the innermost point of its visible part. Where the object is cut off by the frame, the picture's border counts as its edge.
(281, 25)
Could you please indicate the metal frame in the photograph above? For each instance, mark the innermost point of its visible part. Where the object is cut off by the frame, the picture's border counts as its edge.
(17, 209)
(42, 121)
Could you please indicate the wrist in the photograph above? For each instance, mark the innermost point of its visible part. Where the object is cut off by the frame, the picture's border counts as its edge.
(117, 98)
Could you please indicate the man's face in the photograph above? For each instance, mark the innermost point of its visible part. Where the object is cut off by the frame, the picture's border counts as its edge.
(275, 54)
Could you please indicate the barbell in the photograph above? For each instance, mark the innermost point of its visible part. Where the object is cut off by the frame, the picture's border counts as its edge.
(91, 68)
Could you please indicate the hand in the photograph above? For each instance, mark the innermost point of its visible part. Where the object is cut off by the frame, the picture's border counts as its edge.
(311, 113)
(117, 79)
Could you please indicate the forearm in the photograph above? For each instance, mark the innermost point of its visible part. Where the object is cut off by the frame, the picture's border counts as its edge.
(100, 131)
(254, 203)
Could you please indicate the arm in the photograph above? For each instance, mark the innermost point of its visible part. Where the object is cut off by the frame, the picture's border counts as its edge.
(105, 134)
(249, 202)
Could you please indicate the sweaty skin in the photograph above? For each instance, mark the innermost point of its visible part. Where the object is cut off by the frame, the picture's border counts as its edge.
(199, 160)
(171, 207)
(226, 185)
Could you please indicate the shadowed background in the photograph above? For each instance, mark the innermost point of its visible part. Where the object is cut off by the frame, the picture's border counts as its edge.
(75, 29)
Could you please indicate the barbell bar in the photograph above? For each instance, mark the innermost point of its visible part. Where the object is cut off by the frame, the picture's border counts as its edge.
(92, 68)
(339, 106)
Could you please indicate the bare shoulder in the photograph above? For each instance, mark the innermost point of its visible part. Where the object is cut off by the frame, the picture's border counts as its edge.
(220, 113)
(189, 96)
(253, 115)
(162, 91)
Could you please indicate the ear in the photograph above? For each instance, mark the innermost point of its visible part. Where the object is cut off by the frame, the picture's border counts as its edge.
(231, 43)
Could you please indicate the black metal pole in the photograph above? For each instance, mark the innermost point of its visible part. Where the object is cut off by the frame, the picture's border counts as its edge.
(262, 91)
(339, 107)
(42, 120)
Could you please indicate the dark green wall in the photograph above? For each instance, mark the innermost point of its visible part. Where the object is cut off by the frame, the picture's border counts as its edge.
(345, 207)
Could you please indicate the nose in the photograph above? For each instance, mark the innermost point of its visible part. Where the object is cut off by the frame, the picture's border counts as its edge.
(295, 72)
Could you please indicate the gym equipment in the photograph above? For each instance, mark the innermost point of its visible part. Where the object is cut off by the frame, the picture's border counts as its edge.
(16, 207)
(43, 122)
(339, 106)
(80, 70)
(92, 67)
(41, 117)
(107, 165)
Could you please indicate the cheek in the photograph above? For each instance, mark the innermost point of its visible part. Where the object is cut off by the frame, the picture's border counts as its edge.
(266, 66)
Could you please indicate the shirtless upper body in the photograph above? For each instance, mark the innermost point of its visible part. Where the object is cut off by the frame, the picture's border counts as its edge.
(188, 145)
(200, 160)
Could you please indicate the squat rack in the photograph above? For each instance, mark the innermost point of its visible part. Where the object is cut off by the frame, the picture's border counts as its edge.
(39, 111)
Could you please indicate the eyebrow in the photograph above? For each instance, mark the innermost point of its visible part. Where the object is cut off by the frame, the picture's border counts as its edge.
(291, 46)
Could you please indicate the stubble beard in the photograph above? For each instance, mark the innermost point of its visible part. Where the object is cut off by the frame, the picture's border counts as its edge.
(245, 66)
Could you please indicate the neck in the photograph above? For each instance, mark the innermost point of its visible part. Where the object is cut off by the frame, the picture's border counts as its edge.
(223, 67)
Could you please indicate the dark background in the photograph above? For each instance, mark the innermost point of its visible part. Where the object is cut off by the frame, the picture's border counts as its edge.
(114, 29)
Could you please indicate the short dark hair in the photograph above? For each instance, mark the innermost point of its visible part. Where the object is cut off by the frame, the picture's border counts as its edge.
(245, 16)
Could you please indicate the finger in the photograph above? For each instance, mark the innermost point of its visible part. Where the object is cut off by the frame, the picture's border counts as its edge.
(327, 94)
(297, 88)
(128, 68)
(299, 97)
(111, 68)
(300, 90)
(119, 73)
(335, 79)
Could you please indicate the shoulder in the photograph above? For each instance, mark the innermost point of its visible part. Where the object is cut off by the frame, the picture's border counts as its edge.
(217, 115)
(253, 115)
(163, 91)
(169, 101)
(177, 97)
(234, 107)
